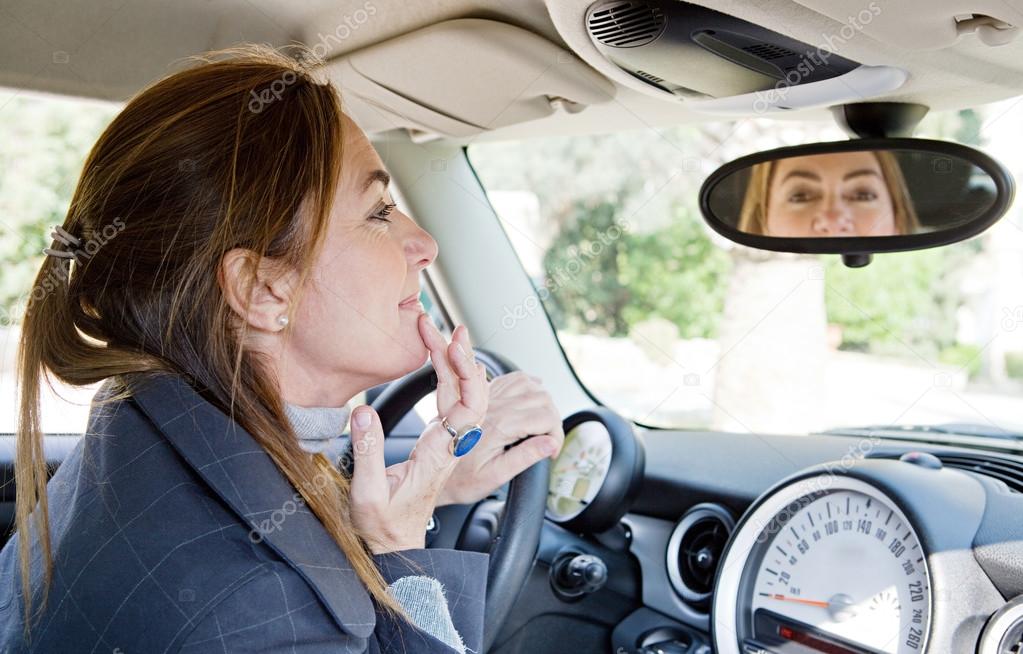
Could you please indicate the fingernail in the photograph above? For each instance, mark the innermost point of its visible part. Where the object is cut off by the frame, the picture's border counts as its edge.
(459, 348)
(362, 419)
(549, 448)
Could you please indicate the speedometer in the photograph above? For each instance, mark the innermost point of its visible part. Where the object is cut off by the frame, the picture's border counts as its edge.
(828, 564)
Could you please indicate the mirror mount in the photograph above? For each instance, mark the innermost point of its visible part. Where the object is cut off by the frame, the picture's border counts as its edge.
(857, 260)
(869, 120)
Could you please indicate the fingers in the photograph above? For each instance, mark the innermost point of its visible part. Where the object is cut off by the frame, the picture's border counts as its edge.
(462, 391)
(472, 384)
(447, 385)
(369, 480)
(432, 455)
(514, 384)
(509, 425)
(523, 455)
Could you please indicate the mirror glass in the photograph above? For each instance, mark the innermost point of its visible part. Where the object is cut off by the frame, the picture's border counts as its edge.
(852, 193)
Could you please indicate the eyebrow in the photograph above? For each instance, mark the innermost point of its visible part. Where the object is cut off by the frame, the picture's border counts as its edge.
(376, 176)
(861, 171)
(814, 176)
(801, 173)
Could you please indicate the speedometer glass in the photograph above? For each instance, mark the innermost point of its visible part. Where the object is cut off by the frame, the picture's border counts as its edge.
(580, 470)
(838, 570)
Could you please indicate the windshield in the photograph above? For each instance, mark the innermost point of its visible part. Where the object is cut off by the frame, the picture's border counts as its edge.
(673, 326)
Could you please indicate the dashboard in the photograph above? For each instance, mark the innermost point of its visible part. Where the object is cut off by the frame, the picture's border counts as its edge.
(751, 544)
(692, 542)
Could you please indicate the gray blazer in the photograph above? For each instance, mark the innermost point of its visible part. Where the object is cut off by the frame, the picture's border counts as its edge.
(173, 531)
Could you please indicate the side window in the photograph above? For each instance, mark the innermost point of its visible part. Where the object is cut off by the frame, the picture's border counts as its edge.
(45, 141)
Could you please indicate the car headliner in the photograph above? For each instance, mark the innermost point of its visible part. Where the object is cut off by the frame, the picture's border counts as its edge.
(110, 49)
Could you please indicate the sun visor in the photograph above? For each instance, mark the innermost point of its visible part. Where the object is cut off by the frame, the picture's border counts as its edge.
(463, 77)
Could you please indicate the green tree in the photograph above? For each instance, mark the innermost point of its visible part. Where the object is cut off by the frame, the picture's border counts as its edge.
(677, 273)
(583, 269)
(45, 142)
(603, 277)
(901, 304)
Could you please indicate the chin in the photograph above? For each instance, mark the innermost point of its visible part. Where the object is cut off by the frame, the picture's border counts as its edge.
(408, 359)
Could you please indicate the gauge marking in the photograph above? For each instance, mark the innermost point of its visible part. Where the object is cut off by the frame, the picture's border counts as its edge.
(852, 579)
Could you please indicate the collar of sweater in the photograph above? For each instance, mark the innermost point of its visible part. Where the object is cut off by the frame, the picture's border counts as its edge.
(319, 429)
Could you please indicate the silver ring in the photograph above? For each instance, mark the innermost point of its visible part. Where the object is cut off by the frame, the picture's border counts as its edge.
(462, 443)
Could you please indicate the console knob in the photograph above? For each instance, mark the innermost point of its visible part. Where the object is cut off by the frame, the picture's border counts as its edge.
(574, 575)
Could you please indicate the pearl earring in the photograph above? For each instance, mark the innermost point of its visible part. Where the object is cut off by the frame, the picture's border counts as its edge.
(282, 321)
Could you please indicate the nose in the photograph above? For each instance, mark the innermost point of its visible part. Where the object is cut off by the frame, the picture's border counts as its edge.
(420, 248)
(833, 220)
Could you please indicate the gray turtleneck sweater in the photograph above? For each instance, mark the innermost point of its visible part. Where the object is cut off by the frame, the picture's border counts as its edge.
(320, 429)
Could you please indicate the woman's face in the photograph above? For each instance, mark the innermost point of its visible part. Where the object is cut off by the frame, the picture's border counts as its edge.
(841, 194)
(354, 320)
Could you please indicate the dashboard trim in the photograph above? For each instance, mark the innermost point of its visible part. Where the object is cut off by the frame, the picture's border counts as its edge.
(648, 544)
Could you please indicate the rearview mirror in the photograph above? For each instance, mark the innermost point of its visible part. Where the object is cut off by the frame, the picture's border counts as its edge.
(857, 197)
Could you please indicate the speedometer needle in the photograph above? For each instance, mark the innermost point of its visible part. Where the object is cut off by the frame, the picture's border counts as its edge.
(800, 600)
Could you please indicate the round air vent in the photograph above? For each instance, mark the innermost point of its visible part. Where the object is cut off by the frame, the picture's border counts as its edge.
(1004, 631)
(695, 549)
(625, 24)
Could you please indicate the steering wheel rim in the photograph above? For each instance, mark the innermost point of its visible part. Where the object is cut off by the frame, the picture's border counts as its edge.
(513, 548)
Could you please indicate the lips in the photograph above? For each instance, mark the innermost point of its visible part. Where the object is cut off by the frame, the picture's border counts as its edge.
(410, 301)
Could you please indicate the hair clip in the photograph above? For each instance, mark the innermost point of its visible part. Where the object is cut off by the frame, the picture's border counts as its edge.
(62, 235)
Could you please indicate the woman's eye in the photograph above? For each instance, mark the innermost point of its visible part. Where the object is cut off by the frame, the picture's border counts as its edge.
(383, 213)
(801, 196)
(863, 195)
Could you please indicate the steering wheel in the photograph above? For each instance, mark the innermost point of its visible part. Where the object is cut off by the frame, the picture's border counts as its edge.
(515, 543)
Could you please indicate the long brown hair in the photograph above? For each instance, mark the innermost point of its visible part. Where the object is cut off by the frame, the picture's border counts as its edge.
(241, 150)
(753, 216)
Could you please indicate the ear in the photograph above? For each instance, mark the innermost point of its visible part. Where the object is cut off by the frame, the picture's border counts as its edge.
(259, 293)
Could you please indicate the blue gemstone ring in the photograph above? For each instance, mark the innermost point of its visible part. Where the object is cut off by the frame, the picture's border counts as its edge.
(462, 443)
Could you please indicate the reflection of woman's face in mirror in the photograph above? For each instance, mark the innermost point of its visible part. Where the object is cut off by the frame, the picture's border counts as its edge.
(827, 195)
(841, 194)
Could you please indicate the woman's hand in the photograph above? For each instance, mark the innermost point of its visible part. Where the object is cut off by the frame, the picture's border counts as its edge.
(392, 506)
(518, 407)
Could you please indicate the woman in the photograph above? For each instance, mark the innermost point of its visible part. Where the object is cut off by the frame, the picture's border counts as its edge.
(237, 272)
(839, 194)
